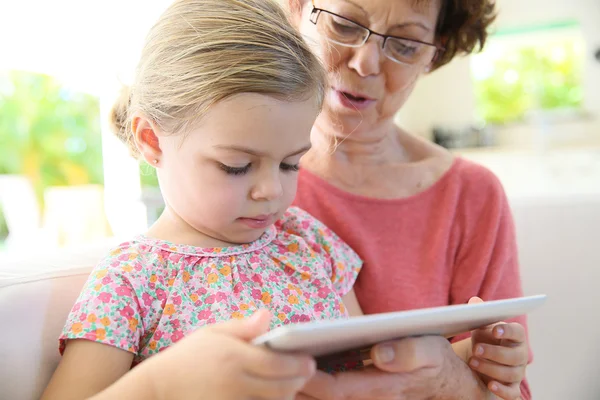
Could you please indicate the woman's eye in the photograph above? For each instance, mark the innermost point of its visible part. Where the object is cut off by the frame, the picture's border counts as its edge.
(289, 167)
(344, 27)
(234, 170)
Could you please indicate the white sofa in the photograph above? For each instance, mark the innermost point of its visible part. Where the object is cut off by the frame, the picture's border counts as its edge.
(558, 244)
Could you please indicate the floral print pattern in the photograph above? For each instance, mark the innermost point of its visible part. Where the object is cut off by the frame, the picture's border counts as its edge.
(147, 294)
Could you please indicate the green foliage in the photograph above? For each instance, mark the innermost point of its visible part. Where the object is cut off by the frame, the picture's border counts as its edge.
(525, 78)
(48, 132)
(148, 175)
(3, 226)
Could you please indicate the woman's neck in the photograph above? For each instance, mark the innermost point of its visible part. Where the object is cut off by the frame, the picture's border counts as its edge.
(358, 149)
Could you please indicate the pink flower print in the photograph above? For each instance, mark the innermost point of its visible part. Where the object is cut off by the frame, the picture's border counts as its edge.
(106, 280)
(304, 318)
(175, 258)
(294, 280)
(317, 283)
(176, 336)
(258, 279)
(161, 295)
(256, 294)
(210, 299)
(279, 272)
(244, 278)
(127, 312)
(91, 335)
(254, 259)
(324, 292)
(319, 307)
(212, 320)
(207, 270)
(147, 299)
(177, 300)
(123, 291)
(287, 309)
(273, 278)
(295, 319)
(204, 315)
(235, 308)
(158, 334)
(105, 297)
(124, 257)
(221, 296)
(176, 324)
(286, 292)
(76, 307)
(238, 288)
(289, 270)
(82, 317)
(202, 291)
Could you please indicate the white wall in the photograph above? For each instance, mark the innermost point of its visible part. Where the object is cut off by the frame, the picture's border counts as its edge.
(446, 96)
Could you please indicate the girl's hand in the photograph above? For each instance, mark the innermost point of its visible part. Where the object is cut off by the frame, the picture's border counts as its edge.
(217, 362)
(500, 355)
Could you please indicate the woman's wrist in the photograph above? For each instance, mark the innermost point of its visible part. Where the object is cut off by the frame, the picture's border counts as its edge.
(462, 383)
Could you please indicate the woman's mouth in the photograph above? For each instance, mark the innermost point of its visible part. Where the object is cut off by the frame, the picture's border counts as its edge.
(354, 101)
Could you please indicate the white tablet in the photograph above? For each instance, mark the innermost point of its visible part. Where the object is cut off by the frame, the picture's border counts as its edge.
(335, 336)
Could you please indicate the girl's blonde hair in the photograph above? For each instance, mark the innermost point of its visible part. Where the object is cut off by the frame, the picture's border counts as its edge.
(201, 52)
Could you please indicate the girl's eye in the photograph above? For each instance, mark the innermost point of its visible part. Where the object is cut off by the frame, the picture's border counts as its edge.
(289, 167)
(234, 170)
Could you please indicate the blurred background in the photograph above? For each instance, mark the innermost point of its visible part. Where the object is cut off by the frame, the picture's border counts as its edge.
(527, 107)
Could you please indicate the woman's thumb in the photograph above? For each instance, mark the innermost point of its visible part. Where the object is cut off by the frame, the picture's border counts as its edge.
(245, 329)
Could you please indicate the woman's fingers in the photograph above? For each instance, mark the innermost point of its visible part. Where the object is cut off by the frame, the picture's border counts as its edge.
(513, 331)
(506, 392)
(501, 373)
(510, 356)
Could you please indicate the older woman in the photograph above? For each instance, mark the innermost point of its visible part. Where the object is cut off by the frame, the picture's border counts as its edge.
(432, 229)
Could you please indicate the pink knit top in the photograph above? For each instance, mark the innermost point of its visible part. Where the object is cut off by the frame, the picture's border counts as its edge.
(442, 246)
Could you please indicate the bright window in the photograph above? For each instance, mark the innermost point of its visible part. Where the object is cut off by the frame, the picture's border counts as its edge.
(531, 69)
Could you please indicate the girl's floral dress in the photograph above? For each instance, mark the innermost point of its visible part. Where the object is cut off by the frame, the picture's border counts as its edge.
(147, 294)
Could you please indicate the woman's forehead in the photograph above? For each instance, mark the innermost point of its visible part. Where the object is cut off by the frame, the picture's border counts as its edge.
(419, 6)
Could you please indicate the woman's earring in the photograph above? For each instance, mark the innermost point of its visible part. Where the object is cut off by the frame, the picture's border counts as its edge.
(155, 161)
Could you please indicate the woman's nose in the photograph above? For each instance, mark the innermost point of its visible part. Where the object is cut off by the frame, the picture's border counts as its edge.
(366, 59)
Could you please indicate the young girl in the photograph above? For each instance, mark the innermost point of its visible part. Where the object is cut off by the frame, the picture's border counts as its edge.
(222, 106)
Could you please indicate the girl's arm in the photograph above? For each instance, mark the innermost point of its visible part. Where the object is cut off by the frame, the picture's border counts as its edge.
(85, 369)
(351, 304)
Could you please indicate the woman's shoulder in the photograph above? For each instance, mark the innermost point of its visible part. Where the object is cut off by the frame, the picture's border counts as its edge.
(475, 180)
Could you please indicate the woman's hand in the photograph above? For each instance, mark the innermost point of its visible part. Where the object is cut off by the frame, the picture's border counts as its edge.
(412, 368)
(500, 354)
(217, 362)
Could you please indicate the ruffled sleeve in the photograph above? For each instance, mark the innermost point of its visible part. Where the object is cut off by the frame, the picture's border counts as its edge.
(107, 310)
(343, 264)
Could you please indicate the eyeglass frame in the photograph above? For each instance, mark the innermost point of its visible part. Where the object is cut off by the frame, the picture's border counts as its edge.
(314, 18)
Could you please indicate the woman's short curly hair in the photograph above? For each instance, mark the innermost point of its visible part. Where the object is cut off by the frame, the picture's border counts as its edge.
(463, 27)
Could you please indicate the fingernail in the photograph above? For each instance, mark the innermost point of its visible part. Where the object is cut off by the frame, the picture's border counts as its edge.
(500, 331)
(494, 387)
(479, 350)
(385, 353)
(474, 363)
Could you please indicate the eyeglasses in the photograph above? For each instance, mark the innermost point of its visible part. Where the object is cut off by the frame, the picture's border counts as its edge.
(345, 32)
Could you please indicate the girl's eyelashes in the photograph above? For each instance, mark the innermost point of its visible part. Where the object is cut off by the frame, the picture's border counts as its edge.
(243, 170)
(234, 170)
(289, 167)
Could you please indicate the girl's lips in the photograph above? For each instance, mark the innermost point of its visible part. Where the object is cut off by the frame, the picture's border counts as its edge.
(258, 222)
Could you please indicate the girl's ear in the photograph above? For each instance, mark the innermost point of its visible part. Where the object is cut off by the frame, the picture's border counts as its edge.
(146, 139)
